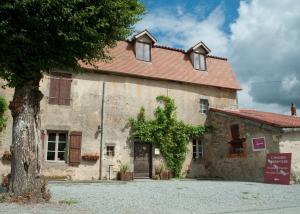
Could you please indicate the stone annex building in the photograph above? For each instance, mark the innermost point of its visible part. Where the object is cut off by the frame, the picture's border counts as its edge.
(87, 114)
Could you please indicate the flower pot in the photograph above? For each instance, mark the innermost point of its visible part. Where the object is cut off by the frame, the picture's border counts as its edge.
(90, 157)
(125, 176)
(165, 175)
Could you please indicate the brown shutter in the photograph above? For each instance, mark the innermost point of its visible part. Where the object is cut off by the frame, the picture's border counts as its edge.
(75, 148)
(235, 132)
(65, 90)
(54, 89)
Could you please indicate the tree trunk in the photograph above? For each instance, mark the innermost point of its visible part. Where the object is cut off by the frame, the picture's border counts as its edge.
(26, 179)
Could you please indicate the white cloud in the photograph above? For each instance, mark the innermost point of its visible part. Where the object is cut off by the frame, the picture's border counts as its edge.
(186, 29)
(265, 53)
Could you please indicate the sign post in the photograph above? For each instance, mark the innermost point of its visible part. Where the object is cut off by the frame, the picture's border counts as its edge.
(278, 168)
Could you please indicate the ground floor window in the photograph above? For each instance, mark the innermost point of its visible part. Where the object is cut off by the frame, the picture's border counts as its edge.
(56, 146)
(110, 151)
(197, 149)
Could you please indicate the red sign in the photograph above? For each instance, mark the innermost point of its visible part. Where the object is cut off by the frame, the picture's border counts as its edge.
(278, 168)
(258, 144)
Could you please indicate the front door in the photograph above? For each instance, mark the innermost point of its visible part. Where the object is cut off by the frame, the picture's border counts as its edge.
(142, 160)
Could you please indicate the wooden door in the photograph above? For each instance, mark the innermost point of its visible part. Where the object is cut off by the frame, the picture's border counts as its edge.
(142, 160)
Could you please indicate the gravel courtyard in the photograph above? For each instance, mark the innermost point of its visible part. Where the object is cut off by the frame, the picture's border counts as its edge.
(175, 196)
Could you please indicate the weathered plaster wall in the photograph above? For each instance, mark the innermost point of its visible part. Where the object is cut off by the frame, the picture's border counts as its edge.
(5, 135)
(123, 98)
(249, 168)
(290, 143)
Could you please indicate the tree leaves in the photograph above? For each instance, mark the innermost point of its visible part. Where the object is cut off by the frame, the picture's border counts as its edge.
(40, 35)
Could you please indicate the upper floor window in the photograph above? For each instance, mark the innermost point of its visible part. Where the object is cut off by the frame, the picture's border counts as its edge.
(204, 106)
(197, 149)
(143, 51)
(60, 88)
(199, 61)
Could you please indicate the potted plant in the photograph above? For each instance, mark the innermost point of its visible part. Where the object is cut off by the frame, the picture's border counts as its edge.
(163, 173)
(124, 175)
(90, 157)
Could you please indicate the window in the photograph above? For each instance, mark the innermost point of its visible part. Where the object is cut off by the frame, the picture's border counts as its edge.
(199, 61)
(60, 89)
(56, 146)
(197, 149)
(110, 151)
(204, 106)
(237, 146)
(143, 51)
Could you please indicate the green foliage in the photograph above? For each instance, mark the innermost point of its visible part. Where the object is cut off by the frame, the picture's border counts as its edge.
(124, 168)
(170, 135)
(40, 35)
(3, 109)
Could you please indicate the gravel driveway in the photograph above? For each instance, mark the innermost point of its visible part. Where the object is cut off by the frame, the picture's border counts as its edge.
(175, 196)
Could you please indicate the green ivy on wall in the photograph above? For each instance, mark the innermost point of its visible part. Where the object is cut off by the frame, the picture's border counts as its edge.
(166, 132)
(3, 109)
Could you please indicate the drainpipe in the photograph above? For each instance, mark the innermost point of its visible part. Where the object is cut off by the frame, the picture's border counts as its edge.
(102, 130)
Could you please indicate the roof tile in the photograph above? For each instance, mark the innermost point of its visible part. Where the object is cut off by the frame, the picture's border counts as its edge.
(167, 64)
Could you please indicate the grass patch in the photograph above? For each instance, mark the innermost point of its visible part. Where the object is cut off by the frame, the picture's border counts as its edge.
(246, 193)
(70, 201)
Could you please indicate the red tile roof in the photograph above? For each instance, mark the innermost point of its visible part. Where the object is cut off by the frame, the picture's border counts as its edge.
(167, 64)
(277, 120)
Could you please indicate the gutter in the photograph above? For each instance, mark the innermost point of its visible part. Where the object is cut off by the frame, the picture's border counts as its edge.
(102, 129)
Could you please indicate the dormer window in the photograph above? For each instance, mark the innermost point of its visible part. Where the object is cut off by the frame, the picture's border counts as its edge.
(143, 51)
(143, 43)
(199, 62)
(198, 56)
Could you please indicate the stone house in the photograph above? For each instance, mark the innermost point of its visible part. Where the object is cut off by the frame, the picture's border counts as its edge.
(243, 159)
(86, 114)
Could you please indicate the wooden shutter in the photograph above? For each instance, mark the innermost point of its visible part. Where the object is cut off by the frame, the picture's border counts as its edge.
(65, 90)
(54, 89)
(75, 148)
(235, 132)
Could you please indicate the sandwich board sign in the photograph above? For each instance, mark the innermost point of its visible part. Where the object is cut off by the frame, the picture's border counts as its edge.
(278, 168)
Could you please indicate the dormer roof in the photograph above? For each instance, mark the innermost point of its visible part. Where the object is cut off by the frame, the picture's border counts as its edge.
(199, 45)
(145, 33)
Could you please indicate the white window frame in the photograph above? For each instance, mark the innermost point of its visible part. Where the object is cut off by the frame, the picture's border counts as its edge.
(56, 146)
(204, 106)
(199, 61)
(143, 47)
(198, 149)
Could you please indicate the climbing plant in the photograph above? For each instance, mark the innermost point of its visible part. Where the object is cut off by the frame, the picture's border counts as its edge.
(3, 117)
(166, 132)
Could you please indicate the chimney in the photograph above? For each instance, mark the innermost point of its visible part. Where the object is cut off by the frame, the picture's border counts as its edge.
(293, 110)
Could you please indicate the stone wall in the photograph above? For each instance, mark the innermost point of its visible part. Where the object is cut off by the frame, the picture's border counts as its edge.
(123, 98)
(248, 168)
(290, 143)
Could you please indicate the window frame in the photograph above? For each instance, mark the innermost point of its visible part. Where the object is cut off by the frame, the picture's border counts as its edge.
(204, 108)
(56, 151)
(204, 60)
(150, 51)
(113, 151)
(198, 146)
